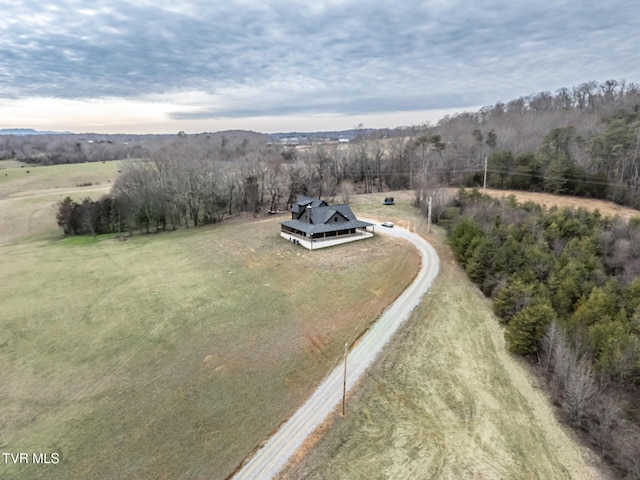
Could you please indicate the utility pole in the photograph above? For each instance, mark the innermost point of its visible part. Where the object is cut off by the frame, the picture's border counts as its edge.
(484, 185)
(429, 216)
(344, 383)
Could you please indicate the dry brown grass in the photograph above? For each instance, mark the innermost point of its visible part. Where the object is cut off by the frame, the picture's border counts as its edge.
(446, 400)
(604, 207)
(176, 354)
(28, 200)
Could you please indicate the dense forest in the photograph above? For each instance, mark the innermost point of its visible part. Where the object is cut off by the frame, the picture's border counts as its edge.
(582, 141)
(565, 284)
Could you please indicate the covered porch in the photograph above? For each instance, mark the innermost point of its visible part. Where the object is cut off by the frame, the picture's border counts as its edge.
(313, 241)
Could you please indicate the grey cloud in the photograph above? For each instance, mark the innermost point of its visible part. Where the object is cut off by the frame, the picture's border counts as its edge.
(355, 57)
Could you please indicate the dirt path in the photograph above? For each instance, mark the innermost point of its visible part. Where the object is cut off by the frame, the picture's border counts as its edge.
(446, 400)
(284, 443)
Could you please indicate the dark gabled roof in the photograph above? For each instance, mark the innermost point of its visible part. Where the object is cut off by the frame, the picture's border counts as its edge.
(302, 202)
(320, 217)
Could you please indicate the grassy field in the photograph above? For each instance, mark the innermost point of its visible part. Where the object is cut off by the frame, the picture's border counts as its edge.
(15, 179)
(447, 401)
(606, 208)
(170, 355)
(28, 200)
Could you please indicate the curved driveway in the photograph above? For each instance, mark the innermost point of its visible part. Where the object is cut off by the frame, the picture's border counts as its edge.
(277, 450)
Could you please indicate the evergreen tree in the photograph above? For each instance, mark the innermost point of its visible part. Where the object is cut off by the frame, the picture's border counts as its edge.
(526, 329)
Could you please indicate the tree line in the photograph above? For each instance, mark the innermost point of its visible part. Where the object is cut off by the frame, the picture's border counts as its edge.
(90, 217)
(189, 180)
(565, 284)
(54, 149)
(612, 171)
(178, 184)
(583, 141)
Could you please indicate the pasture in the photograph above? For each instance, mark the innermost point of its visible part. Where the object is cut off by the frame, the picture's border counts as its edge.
(170, 355)
(606, 208)
(28, 200)
(15, 179)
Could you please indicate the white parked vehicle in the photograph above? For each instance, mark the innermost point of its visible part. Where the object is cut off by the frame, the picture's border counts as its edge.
(387, 224)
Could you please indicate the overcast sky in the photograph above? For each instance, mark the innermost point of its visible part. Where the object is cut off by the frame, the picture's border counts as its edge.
(162, 66)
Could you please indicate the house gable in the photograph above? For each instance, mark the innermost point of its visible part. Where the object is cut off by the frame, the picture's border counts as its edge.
(313, 220)
(336, 218)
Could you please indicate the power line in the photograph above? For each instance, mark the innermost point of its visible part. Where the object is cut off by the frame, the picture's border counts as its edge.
(571, 177)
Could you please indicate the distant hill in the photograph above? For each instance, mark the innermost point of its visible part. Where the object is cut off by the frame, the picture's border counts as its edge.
(28, 131)
(229, 134)
(303, 137)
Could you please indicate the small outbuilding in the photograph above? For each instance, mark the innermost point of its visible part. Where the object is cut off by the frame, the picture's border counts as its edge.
(315, 224)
